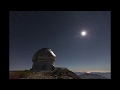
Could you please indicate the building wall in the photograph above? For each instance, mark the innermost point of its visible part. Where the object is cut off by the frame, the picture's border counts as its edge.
(42, 65)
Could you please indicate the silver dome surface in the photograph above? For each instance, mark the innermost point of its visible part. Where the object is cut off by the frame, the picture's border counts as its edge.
(44, 54)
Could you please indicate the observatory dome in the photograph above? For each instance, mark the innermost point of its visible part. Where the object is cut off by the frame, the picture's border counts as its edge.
(44, 54)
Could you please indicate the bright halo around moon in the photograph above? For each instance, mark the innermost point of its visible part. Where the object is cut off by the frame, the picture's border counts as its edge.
(83, 33)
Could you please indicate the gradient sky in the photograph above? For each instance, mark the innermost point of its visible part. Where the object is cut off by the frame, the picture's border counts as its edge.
(30, 31)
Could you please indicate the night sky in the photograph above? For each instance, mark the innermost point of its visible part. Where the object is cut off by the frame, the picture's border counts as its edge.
(30, 31)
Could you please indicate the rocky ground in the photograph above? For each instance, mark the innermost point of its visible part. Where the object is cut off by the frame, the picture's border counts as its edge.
(59, 73)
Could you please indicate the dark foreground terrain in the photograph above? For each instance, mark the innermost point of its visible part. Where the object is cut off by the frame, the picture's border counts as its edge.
(59, 73)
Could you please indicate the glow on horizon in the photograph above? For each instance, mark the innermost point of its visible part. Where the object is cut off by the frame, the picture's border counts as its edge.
(88, 72)
(92, 71)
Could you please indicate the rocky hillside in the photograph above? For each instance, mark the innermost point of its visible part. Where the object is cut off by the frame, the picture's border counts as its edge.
(59, 73)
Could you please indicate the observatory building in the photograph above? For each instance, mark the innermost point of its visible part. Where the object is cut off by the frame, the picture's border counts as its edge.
(43, 60)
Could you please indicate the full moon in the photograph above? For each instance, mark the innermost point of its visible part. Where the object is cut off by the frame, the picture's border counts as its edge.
(83, 33)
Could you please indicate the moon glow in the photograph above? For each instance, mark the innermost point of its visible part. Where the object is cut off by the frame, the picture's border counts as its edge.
(83, 33)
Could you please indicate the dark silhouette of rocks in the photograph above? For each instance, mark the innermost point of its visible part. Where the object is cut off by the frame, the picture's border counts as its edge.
(61, 73)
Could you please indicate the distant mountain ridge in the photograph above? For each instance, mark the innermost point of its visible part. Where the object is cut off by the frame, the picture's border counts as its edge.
(104, 74)
(91, 76)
